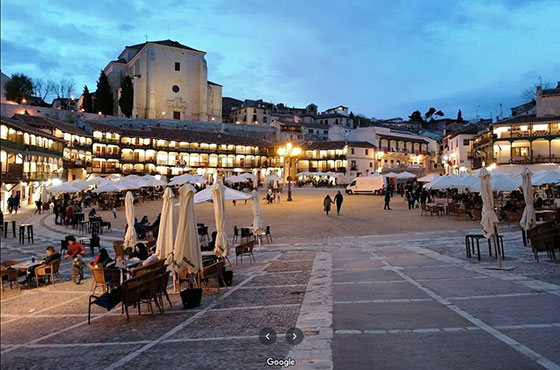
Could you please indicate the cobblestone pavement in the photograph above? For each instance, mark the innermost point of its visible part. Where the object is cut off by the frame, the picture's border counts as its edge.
(408, 301)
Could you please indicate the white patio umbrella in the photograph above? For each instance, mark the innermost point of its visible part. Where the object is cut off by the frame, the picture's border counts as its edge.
(406, 175)
(221, 248)
(96, 181)
(551, 177)
(187, 179)
(186, 250)
(130, 235)
(528, 219)
(113, 177)
(248, 175)
(235, 179)
(63, 188)
(79, 184)
(428, 178)
(498, 183)
(255, 182)
(489, 218)
(109, 187)
(128, 183)
(149, 181)
(257, 212)
(44, 193)
(304, 173)
(391, 174)
(272, 178)
(207, 195)
(167, 227)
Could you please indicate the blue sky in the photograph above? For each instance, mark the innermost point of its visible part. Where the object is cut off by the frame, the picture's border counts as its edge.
(380, 58)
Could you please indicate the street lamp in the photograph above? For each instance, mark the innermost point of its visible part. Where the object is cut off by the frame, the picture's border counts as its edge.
(290, 153)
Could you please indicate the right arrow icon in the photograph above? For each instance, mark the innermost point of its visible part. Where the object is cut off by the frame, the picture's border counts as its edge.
(294, 336)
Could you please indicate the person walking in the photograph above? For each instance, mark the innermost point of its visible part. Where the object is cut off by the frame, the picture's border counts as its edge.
(338, 199)
(327, 204)
(114, 212)
(387, 200)
(38, 204)
(410, 198)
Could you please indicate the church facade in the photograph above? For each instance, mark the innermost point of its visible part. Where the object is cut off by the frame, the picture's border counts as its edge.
(170, 81)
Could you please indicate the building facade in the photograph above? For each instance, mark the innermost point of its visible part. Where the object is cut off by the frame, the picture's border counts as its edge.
(170, 80)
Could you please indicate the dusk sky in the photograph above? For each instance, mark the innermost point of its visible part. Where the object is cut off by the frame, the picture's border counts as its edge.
(381, 58)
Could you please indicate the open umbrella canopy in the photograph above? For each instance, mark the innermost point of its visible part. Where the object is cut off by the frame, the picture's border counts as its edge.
(446, 182)
(375, 175)
(128, 183)
(391, 174)
(206, 195)
(304, 173)
(97, 181)
(79, 184)
(130, 235)
(186, 249)
(498, 183)
(248, 175)
(65, 187)
(429, 178)
(221, 248)
(113, 177)
(235, 179)
(273, 178)
(150, 181)
(187, 179)
(109, 187)
(489, 218)
(528, 219)
(551, 177)
(406, 175)
(167, 227)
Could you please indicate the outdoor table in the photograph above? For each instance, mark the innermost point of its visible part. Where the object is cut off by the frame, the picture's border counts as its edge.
(472, 237)
(23, 266)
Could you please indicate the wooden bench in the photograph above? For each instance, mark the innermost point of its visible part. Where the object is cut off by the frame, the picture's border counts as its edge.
(245, 248)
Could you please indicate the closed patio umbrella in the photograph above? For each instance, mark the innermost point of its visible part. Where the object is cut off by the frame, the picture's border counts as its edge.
(221, 248)
(186, 249)
(257, 212)
(167, 227)
(489, 218)
(528, 219)
(130, 235)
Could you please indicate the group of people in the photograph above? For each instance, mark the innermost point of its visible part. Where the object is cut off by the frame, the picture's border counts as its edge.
(272, 196)
(13, 203)
(327, 201)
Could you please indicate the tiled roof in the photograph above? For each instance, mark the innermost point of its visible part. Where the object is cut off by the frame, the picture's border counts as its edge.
(171, 43)
(551, 92)
(213, 83)
(17, 124)
(103, 127)
(44, 122)
(530, 118)
(331, 145)
(402, 138)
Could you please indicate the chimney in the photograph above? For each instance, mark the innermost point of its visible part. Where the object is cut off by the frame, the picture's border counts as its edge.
(558, 85)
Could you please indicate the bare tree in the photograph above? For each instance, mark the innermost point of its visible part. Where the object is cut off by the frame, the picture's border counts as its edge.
(43, 89)
(65, 87)
(530, 93)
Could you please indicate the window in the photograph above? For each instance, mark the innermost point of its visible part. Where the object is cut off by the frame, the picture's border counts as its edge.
(367, 152)
(175, 88)
(522, 151)
(265, 119)
(177, 66)
(466, 142)
(326, 132)
(336, 121)
(353, 165)
(310, 131)
(370, 164)
(352, 150)
(176, 115)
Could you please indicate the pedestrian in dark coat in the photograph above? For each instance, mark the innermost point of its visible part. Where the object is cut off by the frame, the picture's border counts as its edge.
(387, 200)
(338, 199)
(327, 204)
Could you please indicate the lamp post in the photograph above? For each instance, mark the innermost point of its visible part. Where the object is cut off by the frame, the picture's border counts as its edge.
(289, 152)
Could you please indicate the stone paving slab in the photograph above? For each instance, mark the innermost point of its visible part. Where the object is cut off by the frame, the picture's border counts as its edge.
(357, 264)
(535, 309)
(356, 292)
(264, 297)
(245, 322)
(542, 340)
(411, 260)
(210, 355)
(20, 305)
(65, 358)
(12, 332)
(474, 287)
(447, 272)
(395, 315)
(467, 351)
(290, 266)
(296, 278)
(366, 275)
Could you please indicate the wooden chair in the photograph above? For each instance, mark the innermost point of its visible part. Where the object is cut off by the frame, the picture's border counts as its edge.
(49, 270)
(477, 213)
(119, 249)
(245, 248)
(235, 234)
(246, 234)
(142, 269)
(544, 238)
(512, 217)
(214, 271)
(433, 209)
(102, 277)
(10, 275)
(163, 289)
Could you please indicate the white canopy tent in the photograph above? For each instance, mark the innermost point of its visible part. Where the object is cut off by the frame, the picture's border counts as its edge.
(248, 175)
(236, 179)
(551, 177)
(206, 195)
(405, 175)
(97, 181)
(65, 187)
(187, 179)
(109, 187)
(429, 178)
(497, 183)
(390, 174)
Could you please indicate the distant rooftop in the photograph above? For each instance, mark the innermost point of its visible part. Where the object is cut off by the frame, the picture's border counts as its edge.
(171, 43)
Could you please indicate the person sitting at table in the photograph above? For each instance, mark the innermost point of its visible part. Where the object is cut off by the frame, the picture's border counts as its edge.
(103, 259)
(140, 252)
(144, 221)
(152, 258)
(92, 213)
(212, 243)
(538, 202)
(52, 255)
(74, 248)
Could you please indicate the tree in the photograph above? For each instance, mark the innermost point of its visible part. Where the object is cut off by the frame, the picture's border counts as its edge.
(416, 116)
(87, 103)
(65, 87)
(460, 116)
(127, 96)
(42, 89)
(103, 96)
(530, 93)
(429, 115)
(18, 88)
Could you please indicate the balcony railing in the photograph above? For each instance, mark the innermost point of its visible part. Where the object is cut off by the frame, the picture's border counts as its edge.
(7, 145)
